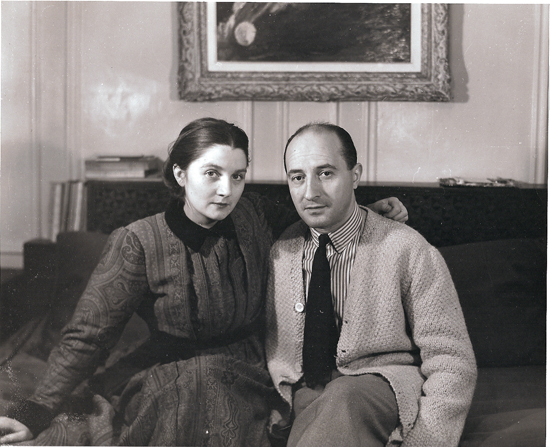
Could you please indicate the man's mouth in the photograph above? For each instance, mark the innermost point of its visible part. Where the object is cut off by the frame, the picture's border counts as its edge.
(314, 207)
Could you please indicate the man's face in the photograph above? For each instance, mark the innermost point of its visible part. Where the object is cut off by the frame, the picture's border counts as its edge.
(320, 183)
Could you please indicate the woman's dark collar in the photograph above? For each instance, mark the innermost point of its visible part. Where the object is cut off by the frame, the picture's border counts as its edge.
(189, 232)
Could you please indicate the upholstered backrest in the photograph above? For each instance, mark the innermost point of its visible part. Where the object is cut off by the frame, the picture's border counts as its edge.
(444, 216)
(502, 289)
(78, 253)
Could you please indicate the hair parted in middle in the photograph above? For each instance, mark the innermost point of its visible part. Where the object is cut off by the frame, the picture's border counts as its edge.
(198, 136)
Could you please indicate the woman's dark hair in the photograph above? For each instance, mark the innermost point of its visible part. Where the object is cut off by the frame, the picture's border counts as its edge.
(348, 148)
(193, 140)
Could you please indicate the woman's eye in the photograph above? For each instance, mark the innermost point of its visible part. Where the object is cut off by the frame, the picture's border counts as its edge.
(211, 173)
(238, 177)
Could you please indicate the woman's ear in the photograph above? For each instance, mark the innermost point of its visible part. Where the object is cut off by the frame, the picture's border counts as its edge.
(179, 175)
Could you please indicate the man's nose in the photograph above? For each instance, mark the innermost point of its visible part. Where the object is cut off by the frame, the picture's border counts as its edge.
(312, 188)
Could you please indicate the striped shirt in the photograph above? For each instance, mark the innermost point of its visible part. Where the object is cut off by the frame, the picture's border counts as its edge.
(340, 253)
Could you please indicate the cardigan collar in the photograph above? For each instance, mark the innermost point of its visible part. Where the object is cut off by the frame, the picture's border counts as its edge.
(192, 234)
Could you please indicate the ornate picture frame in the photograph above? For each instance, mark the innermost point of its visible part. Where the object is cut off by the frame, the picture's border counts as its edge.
(202, 77)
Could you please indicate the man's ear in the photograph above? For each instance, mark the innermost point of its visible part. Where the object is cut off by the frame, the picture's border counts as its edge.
(179, 175)
(357, 171)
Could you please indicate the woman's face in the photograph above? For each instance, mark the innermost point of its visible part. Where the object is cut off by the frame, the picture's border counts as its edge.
(213, 184)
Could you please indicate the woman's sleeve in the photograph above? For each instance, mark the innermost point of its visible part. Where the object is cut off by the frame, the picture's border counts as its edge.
(114, 291)
(277, 215)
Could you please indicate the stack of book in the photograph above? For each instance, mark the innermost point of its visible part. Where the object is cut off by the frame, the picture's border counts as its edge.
(122, 167)
(67, 207)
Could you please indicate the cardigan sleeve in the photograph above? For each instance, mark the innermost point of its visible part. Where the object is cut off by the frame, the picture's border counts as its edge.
(114, 291)
(448, 363)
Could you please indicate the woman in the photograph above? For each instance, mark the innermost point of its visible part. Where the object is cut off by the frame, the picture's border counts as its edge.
(197, 278)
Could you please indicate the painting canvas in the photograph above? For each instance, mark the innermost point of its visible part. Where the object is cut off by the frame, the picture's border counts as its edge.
(313, 51)
(287, 32)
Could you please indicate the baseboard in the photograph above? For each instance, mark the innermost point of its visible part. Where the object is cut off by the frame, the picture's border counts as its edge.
(11, 260)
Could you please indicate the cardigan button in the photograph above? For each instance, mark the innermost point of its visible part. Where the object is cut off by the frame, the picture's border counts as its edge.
(299, 307)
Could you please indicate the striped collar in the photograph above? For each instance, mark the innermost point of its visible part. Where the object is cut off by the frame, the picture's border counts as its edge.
(343, 235)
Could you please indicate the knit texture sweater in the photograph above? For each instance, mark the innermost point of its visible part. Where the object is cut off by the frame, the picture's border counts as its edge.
(402, 319)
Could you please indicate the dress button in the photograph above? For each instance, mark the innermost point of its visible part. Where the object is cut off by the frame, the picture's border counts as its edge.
(299, 307)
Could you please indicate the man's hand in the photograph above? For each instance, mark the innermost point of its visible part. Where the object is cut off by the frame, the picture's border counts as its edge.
(392, 208)
(12, 431)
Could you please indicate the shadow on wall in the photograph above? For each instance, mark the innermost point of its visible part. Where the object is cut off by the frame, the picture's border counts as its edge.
(459, 75)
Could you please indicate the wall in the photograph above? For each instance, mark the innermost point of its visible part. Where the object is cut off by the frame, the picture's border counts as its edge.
(87, 78)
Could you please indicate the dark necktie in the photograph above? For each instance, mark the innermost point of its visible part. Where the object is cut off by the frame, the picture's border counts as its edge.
(321, 334)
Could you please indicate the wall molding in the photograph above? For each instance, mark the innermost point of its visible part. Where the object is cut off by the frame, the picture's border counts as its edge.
(73, 97)
(245, 112)
(334, 112)
(539, 115)
(285, 135)
(370, 133)
(36, 128)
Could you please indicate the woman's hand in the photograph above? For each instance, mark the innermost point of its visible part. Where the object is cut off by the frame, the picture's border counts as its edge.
(392, 208)
(12, 431)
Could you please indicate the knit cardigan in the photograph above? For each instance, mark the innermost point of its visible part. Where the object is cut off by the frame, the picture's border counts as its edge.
(402, 320)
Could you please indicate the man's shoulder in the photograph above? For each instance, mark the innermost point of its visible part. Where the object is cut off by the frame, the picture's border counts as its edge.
(378, 228)
(294, 234)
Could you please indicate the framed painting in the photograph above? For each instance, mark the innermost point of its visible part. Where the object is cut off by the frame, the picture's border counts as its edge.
(313, 51)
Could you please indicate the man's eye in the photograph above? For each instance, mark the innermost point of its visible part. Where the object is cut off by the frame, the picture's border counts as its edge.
(326, 174)
(297, 178)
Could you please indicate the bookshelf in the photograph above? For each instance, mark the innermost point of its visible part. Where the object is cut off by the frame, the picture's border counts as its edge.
(67, 210)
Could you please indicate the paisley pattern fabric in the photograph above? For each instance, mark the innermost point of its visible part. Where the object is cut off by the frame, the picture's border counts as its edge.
(201, 378)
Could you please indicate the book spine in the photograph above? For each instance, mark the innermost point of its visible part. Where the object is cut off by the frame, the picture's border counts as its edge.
(79, 207)
(76, 190)
(64, 218)
(56, 198)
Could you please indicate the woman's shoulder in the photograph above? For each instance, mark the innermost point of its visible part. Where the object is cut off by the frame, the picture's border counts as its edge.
(250, 205)
(251, 199)
(139, 232)
(146, 223)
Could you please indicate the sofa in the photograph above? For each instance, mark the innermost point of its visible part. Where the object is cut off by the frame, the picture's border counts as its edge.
(501, 283)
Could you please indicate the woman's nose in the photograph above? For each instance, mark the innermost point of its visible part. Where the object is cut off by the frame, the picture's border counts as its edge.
(224, 187)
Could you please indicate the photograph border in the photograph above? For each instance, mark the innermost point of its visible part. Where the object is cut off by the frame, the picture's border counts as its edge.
(196, 82)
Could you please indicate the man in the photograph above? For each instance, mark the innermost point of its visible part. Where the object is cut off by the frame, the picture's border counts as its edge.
(398, 365)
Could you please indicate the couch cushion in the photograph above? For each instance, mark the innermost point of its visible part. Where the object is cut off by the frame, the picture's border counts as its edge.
(508, 429)
(508, 408)
(506, 389)
(502, 290)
